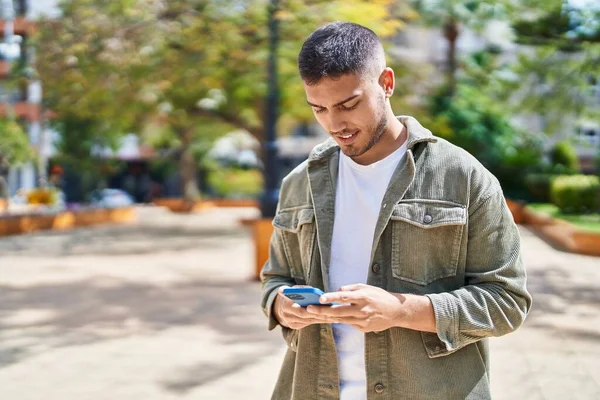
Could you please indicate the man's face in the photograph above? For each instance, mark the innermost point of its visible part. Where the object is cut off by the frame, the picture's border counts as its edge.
(352, 110)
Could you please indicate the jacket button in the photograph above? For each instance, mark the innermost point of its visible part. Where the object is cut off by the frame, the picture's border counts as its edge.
(379, 388)
(428, 218)
(375, 268)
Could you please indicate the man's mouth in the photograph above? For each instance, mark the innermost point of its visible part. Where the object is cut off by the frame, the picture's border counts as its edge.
(347, 139)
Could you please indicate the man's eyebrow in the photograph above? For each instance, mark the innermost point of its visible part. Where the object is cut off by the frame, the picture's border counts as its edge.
(335, 105)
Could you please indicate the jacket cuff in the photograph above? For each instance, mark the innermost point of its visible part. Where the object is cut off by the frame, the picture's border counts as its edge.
(445, 308)
(273, 323)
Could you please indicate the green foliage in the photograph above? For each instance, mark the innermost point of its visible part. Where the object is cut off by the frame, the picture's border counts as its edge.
(236, 183)
(134, 63)
(539, 185)
(576, 193)
(555, 80)
(452, 16)
(471, 119)
(161, 168)
(586, 222)
(473, 13)
(78, 139)
(478, 125)
(552, 25)
(554, 85)
(561, 24)
(563, 154)
(163, 138)
(14, 143)
(79, 136)
(184, 60)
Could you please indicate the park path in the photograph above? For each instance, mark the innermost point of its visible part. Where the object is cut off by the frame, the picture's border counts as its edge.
(166, 309)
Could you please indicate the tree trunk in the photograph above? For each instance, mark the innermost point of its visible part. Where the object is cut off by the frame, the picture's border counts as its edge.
(4, 171)
(187, 167)
(451, 32)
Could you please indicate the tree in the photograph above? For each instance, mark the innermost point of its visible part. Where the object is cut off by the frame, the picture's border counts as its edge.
(14, 143)
(474, 121)
(14, 149)
(556, 78)
(452, 16)
(177, 62)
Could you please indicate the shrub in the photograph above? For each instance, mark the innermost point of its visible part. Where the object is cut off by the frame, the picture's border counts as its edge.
(576, 193)
(471, 120)
(563, 154)
(41, 196)
(236, 183)
(538, 185)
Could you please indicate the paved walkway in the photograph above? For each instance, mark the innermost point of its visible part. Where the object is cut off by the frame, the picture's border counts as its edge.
(165, 309)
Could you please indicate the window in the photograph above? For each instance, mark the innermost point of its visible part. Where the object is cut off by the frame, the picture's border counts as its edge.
(589, 134)
(21, 7)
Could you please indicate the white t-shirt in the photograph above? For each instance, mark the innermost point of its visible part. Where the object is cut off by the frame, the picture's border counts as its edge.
(360, 191)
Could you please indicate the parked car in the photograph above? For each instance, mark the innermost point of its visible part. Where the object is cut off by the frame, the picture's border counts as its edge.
(111, 198)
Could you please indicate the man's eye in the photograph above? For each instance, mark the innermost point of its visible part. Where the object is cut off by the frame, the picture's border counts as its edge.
(351, 107)
(319, 111)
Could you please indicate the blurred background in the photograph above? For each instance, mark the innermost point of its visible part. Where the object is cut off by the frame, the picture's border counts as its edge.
(142, 144)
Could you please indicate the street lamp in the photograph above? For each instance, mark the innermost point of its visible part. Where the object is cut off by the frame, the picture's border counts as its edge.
(271, 194)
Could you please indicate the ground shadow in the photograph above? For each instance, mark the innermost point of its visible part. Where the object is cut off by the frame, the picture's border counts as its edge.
(555, 283)
(205, 373)
(229, 308)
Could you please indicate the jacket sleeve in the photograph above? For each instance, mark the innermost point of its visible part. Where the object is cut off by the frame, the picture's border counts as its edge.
(274, 274)
(495, 300)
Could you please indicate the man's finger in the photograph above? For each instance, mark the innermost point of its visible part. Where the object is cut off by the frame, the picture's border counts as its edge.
(353, 297)
(335, 311)
(310, 318)
(305, 322)
(281, 289)
(353, 287)
(297, 313)
(297, 310)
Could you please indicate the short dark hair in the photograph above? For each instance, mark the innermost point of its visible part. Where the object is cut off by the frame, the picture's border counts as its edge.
(337, 49)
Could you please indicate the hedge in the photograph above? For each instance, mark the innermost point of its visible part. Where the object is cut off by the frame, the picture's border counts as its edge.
(576, 193)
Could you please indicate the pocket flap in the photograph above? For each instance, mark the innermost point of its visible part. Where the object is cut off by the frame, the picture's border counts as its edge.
(292, 220)
(430, 214)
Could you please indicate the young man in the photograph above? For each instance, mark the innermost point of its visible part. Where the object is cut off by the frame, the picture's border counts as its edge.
(410, 233)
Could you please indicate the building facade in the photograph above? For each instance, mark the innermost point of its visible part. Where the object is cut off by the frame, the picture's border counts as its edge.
(23, 101)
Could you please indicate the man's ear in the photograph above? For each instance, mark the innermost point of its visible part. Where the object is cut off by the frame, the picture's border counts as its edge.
(387, 81)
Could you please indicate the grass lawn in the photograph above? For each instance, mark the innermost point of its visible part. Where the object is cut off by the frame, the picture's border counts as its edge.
(588, 222)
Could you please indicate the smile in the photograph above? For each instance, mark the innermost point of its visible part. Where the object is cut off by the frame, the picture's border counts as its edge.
(347, 139)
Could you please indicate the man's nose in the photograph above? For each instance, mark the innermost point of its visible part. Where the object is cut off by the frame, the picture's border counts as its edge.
(336, 123)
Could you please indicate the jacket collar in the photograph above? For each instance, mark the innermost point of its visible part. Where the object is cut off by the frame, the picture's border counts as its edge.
(416, 134)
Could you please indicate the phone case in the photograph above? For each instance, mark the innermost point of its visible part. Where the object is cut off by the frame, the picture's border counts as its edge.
(305, 296)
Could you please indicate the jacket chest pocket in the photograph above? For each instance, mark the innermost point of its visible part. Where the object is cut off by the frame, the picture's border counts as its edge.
(299, 237)
(426, 240)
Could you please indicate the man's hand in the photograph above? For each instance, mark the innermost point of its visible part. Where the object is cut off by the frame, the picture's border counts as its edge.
(292, 315)
(372, 309)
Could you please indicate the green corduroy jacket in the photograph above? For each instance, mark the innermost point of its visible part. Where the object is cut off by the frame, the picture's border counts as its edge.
(444, 231)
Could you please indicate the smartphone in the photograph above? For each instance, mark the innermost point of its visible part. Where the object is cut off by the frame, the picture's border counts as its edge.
(305, 296)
